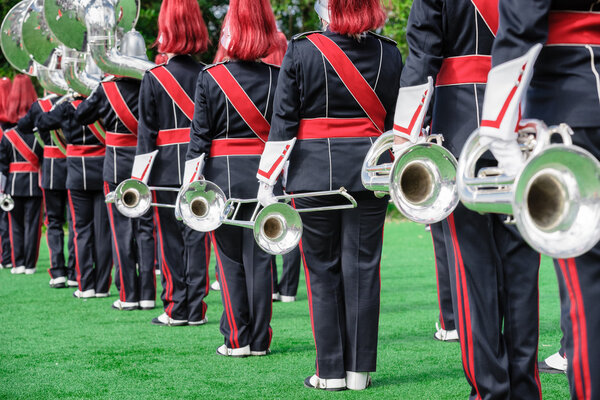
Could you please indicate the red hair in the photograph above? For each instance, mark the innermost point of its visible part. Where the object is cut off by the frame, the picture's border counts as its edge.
(252, 27)
(161, 59)
(22, 95)
(5, 85)
(278, 50)
(353, 17)
(181, 28)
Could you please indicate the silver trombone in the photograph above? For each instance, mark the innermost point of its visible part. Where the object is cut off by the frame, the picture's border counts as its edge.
(7, 203)
(555, 197)
(421, 181)
(133, 198)
(277, 228)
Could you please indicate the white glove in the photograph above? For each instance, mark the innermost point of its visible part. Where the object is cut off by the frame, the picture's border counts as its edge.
(265, 194)
(509, 155)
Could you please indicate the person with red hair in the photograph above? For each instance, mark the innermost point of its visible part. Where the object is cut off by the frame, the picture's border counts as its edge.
(234, 102)
(336, 94)
(5, 257)
(166, 110)
(20, 157)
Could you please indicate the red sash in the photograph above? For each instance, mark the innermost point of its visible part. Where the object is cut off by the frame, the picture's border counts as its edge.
(23, 148)
(174, 90)
(96, 129)
(53, 152)
(173, 136)
(463, 70)
(236, 147)
(85, 151)
(360, 89)
(573, 28)
(45, 105)
(241, 101)
(324, 128)
(21, 167)
(488, 9)
(121, 139)
(118, 104)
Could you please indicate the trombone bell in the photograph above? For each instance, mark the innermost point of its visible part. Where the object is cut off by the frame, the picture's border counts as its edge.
(132, 198)
(7, 203)
(278, 229)
(201, 205)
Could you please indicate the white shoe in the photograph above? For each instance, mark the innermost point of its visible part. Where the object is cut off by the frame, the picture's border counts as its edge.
(444, 335)
(227, 352)
(123, 305)
(215, 286)
(557, 361)
(147, 304)
(8, 266)
(29, 271)
(276, 296)
(59, 282)
(260, 353)
(86, 294)
(288, 299)
(2, 266)
(71, 283)
(157, 271)
(198, 323)
(357, 380)
(165, 320)
(314, 382)
(18, 270)
(102, 295)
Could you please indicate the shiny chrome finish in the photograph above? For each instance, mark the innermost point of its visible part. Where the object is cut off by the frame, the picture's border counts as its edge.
(133, 45)
(52, 78)
(6, 202)
(76, 66)
(38, 41)
(555, 198)
(133, 198)
(200, 205)
(11, 39)
(421, 181)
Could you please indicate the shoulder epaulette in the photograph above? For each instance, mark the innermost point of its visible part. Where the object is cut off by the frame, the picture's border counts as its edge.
(214, 65)
(385, 38)
(303, 35)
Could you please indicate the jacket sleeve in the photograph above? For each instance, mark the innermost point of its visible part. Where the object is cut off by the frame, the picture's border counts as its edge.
(93, 108)
(522, 25)
(200, 135)
(53, 119)
(4, 156)
(148, 126)
(27, 124)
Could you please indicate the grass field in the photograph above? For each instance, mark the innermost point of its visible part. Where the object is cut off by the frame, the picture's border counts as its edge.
(55, 346)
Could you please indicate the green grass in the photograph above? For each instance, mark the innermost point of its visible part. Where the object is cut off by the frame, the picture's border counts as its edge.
(55, 346)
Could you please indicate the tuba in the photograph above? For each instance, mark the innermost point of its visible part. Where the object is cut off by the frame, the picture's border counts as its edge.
(277, 228)
(421, 181)
(555, 197)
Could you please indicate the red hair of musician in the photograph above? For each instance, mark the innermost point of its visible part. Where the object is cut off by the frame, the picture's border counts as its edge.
(161, 58)
(5, 85)
(277, 51)
(251, 24)
(22, 95)
(353, 17)
(181, 28)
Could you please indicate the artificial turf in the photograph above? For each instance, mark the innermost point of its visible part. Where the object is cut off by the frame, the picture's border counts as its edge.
(55, 346)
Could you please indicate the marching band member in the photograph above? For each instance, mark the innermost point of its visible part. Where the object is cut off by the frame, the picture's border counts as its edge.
(115, 102)
(336, 94)
(564, 88)
(234, 102)
(166, 110)
(20, 160)
(5, 254)
(495, 272)
(85, 156)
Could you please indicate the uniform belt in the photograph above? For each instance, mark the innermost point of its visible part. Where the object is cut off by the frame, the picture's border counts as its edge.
(85, 151)
(331, 128)
(236, 147)
(464, 70)
(53, 152)
(121, 139)
(23, 166)
(573, 28)
(173, 136)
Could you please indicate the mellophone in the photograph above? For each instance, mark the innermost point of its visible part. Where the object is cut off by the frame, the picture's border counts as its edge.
(203, 206)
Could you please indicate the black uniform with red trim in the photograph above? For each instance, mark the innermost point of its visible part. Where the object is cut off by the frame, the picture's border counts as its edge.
(5, 252)
(495, 273)
(115, 102)
(565, 88)
(334, 133)
(85, 157)
(20, 160)
(164, 125)
(233, 138)
(54, 176)
(443, 271)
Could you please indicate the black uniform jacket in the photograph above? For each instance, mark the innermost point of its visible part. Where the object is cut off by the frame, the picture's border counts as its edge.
(158, 112)
(85, 152)
(22, 180)
(566, 72)
(217, 127)
(309, 88)
(451, 41)
(120, 141)
(54, 165)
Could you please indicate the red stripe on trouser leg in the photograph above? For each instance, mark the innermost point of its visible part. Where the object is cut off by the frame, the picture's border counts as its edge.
(207, 251)
(73, 221)
(226, 300)
(437, 280)
(10, 236)
(111, 220)
(163, 265)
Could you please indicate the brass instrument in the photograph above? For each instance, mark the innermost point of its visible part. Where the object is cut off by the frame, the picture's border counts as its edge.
(133, 198)
(7, 203)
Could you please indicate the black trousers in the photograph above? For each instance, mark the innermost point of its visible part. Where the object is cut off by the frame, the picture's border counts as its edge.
(133, 253)
(446, 291)
(565, 307)
(93, 257)
(245, 275)
(290, 274)
(496, 275)
(342, 253)
(25, 221)
(5, 253)
(55, 202)
(71, 262)
(184, 257)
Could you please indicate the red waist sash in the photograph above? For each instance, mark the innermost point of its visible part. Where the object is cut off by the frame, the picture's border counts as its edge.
(121, 139)
(573, 28)
(463, 70)
(330, 128)
(53, 152)
(85, 151)
(21, 167)
(173, 136)
(236, 147)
